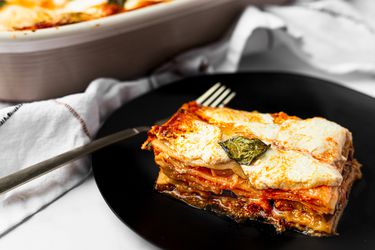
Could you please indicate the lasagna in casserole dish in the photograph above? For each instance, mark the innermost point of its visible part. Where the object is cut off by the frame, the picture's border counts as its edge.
(289, 172)
(37, 14)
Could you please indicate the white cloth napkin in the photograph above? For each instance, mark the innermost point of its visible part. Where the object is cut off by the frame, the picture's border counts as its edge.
(33, 132)
(334, 36)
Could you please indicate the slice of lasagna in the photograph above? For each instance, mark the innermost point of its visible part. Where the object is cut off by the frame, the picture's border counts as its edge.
(279, 169)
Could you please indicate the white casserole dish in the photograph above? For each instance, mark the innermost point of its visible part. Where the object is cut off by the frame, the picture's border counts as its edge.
(53, 62)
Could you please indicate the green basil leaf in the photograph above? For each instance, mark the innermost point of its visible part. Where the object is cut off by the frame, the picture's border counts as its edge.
(244, 150)
(2, 3)
(118, 2)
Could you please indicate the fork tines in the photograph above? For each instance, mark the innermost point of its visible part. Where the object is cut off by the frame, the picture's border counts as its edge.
(216, 96)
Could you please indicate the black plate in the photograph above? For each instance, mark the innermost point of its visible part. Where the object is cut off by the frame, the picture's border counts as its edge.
(125, 174)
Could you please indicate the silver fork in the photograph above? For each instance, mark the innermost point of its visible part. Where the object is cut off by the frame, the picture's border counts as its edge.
(217, 96)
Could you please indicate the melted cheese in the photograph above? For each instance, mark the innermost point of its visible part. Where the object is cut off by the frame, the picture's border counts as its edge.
(199, 145)
(255, 123)
(17, 17)
(81, 5)
(302, 152)
(287, 169)
(277, 169)
(321, 138)
(34, 14)
(26, 14)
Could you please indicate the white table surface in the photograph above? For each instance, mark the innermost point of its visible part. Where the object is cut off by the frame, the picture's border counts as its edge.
(82, 220)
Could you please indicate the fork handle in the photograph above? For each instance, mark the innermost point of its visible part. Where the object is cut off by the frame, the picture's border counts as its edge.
(27, 174)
